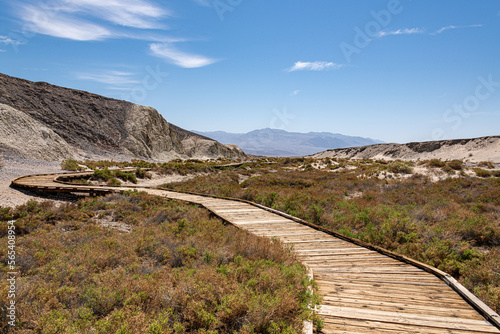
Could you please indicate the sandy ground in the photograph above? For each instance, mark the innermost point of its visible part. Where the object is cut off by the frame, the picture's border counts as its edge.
(15, 166)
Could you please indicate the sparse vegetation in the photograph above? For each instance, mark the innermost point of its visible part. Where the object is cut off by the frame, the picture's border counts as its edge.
(482, 172)
(112, 176)
(486, 164)
(436, 163)
(400, 167)
(71, 165)
(178, 270)
(455, 164)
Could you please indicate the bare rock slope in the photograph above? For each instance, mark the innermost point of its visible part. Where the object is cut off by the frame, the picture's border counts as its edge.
(474, 150)
(92, 125)
(38, 141)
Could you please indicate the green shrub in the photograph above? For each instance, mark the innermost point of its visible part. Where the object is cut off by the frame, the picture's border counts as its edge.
(399, 167)
(486, 164)
(71, 165)
(436, 163)
(113, 182)
(455, 164)
(482, 172)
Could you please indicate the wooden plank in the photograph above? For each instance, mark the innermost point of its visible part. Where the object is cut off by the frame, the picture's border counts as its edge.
(409, 319)
(287, 234)
(443, 309)
(371, 269)
(262, 221)
(417, 302)
(307, 241)
(385, 296)
(356, 326)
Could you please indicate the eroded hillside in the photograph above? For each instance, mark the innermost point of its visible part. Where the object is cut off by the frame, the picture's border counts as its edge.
(93, 124)
(475, 150)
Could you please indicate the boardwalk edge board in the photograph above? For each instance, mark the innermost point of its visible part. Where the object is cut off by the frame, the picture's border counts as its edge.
(477, 304)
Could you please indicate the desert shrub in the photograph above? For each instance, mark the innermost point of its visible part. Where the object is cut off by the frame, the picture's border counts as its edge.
(482, 172)
(455, 164)
(178, 270)
(126, 176)
(142, 174)
(113, 182)
(436, 163)
(111, 176)
(71, 165)
(399, 167)
(486, 164)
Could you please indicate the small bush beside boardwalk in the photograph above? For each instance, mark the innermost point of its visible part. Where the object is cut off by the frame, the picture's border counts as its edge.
(177, 270)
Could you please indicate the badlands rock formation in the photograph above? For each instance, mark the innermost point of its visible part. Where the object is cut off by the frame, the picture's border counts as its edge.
(68, 122)
(474, 150)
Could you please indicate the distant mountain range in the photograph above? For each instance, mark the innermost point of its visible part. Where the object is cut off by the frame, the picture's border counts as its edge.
(280, 143)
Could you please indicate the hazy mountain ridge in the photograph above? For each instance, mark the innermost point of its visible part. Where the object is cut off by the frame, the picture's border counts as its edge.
(275, 142)
(474, 150)
(91, 124)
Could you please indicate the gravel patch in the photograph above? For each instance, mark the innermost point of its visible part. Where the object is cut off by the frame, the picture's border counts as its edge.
(15, 166)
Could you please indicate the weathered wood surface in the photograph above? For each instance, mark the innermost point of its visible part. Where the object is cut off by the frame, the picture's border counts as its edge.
(364, 290)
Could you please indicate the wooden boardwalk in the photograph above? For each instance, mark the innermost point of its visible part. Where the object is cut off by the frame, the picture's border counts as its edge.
(365, 289)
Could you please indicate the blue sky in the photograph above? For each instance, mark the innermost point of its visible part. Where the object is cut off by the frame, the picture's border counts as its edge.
(395, 70)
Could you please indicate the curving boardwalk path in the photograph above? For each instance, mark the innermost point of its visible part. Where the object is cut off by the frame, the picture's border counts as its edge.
(365, 289)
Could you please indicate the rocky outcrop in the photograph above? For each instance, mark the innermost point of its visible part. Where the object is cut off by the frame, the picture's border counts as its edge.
(149, 135)
(200, 146)
(96, 125)
(474, 150)
(38, 141)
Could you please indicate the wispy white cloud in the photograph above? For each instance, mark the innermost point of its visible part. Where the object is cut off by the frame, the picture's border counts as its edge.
(452, 27)
(110, 77)
(406, 31)
(87, 20)
(63, 26)
(412, 31)
(174, 56)
(315, 66)
(295, 92)
(97, 20)
(1, 50)
(129, 13)
(8, 41)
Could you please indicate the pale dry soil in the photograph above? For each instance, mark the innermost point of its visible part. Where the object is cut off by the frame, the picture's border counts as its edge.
(15, 166)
